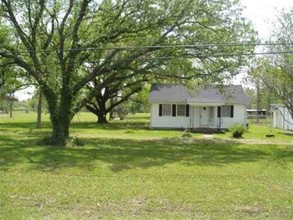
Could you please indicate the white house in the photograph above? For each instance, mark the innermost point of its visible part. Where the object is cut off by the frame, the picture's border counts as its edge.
(281, 117)
(174, 106)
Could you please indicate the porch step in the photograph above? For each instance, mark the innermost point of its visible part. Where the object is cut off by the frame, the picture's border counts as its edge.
(209, 130)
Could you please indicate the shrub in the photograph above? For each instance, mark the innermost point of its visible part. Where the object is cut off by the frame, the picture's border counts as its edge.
(186, 135)
(237, 130)
(121, 112)
(76, 142)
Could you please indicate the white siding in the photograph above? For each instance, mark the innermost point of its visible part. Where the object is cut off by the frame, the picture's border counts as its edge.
(226, 122)
(239, 117)
(194, 120)
(167, 121)
(282, 119)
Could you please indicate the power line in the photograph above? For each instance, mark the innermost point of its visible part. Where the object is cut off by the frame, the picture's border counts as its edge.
(175, 46)
(183, 57)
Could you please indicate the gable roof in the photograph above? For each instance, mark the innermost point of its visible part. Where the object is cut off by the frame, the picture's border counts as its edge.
(226, 94)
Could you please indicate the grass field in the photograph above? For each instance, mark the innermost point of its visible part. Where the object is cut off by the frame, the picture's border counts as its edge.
(126, 171)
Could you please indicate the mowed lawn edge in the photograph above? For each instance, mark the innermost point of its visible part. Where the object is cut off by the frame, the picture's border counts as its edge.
(121, 172)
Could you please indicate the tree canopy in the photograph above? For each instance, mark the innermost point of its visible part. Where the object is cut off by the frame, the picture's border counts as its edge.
(10, 79)
(65, 45)
(277, 69)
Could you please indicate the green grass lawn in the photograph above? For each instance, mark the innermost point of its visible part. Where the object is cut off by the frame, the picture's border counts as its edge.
(126, 171)
(256, 133)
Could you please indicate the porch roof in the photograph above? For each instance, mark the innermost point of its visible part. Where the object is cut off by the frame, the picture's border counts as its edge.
(205, 104)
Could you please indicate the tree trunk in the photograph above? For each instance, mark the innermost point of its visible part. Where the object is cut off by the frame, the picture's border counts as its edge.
(60, 133)
(99, 110)
(101, 115)
(61, 117)
(10, 109)
(39, 110)
(102, 119)
(111, 113)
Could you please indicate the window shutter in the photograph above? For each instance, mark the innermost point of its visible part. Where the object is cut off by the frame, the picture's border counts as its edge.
(187, 111)
(160, 109)
(231, 111)
(174, 110)
(219, 111)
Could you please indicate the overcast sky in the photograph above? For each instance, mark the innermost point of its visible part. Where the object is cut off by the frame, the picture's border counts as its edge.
(263, 12)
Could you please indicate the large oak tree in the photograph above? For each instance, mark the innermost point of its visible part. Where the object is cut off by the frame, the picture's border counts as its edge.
(65, 45)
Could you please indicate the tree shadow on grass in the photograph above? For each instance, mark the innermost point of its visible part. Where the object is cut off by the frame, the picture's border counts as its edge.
(115, 125)
(287, 133)
(129, 154)
(23, 125)
(124, 154)
(11, 149)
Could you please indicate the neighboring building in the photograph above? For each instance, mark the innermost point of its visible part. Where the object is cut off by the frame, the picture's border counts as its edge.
(281, 117)
(174, 106)
(254, 113)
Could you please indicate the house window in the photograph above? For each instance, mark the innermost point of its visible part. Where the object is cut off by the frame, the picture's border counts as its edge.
(173, 110)
(226, 111)
(166, 110)
(181, 111)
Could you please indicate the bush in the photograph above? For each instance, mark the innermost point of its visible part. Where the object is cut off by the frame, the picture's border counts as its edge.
(121, 112)
(186, 135)
(237, 130)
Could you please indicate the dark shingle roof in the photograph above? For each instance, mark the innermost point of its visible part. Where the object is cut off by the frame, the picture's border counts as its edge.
(233, 94)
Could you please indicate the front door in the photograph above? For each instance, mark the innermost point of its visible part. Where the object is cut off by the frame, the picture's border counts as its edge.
(204, 116)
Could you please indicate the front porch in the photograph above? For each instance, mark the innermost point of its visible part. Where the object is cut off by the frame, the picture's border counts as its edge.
(204, 118)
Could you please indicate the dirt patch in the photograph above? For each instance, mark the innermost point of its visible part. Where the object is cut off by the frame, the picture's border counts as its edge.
(208, 136)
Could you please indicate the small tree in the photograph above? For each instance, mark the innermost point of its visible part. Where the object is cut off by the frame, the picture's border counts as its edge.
(10, 100)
